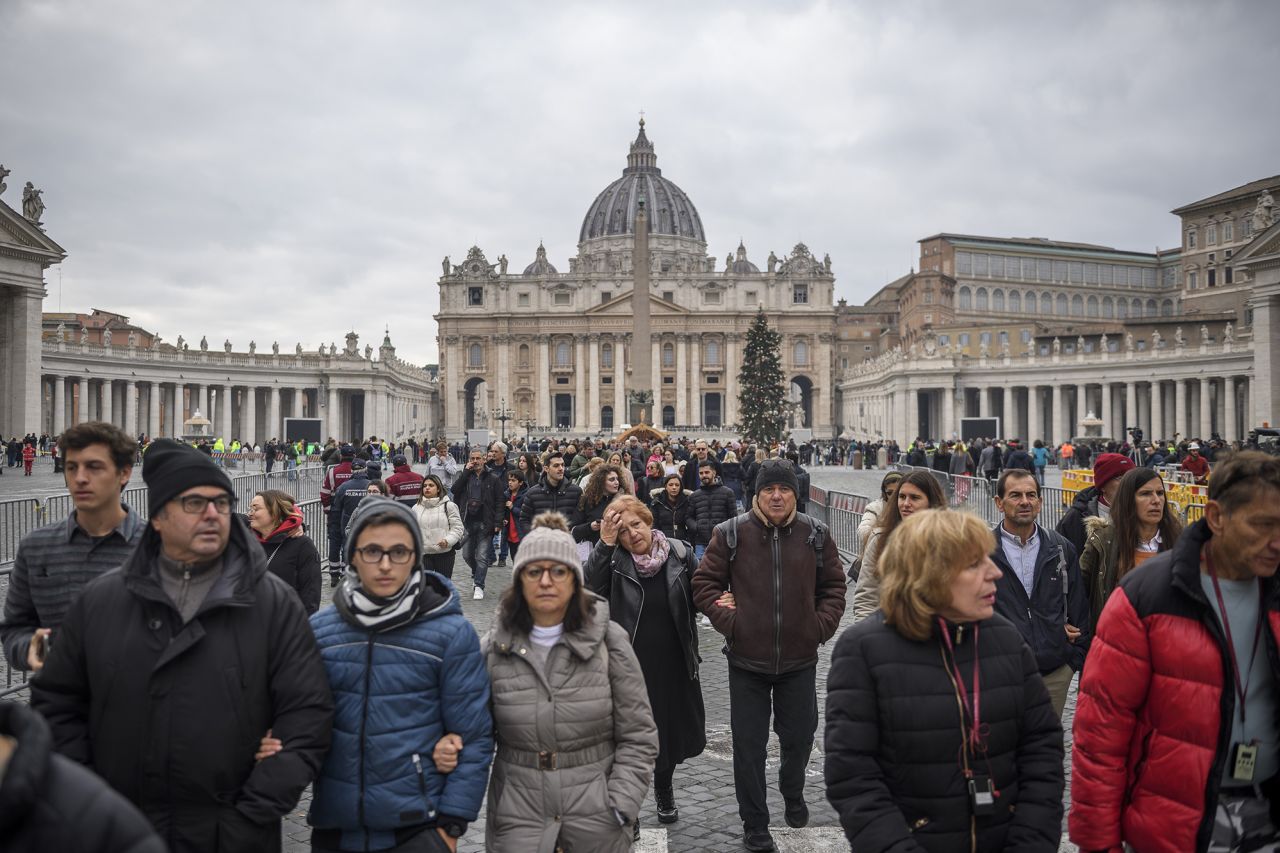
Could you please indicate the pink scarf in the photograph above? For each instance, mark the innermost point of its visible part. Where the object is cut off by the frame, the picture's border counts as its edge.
(650, 564)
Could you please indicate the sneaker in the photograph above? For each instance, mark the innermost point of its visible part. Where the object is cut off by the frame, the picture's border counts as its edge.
(478, 594)
(758, 839)
(797, 813)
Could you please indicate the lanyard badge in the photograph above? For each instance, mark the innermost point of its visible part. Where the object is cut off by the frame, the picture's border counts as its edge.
(1244, 756)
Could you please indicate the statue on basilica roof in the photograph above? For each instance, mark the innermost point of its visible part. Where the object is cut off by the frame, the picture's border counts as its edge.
(32, 204)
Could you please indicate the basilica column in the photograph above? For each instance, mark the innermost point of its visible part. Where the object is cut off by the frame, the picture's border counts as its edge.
(225, 396)
(621, 411)
(730, 378)
(1058, 417)
(503, 343)
(1108, 423)
(1157, 410)
(579, 382)
(273, 415)
(1130, 406)
(1206, 412)
(451, 397)
(593, 382)
(59, 404)
(333, 414)
(947, 401)
(1180, 416)
(1229, 419)
(1033, 414)
(984, 402)
(682, 379)
(695, 387)
(544, 377)
(250, 415)
(153, 409)
(1082, 407)
(82, 404)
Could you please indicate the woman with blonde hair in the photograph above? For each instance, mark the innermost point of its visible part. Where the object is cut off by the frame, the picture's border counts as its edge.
(940, 734)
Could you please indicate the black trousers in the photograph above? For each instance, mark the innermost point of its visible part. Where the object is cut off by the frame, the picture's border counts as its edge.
(793, 698)
(442, 563)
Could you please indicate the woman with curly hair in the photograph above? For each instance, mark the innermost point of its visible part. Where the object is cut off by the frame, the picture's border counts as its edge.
(605, 484)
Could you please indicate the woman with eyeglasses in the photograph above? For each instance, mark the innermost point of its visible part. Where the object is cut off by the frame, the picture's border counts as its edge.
(405, 668)
(275, 519)
(576, 738)
(645, 577)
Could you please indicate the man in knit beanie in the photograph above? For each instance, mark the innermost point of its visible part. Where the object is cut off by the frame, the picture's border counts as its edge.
(167, 671)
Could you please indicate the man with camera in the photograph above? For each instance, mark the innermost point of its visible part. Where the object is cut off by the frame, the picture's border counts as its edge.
(54, 563)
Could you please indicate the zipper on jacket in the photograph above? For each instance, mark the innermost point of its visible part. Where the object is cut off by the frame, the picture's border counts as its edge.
(364, 719)
(635, 627)
(777, 603)
(422, 786)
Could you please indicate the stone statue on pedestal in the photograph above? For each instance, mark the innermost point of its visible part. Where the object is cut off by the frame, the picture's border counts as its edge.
(773, 262)
(1128, 342)
(253, 347)
(728, 262)
(1057, 346)
(106, 338)
(204, 343)
(445, 264)
(1263, 213)
(133, 339)
(1229, 334)
(226, 346)
(1204, 334)
(333, 348)
(502, 264)
(61, 334)
(275, 347)
(297, 350)
(1179, 340)
(1102, 343)
(1080, 343)
(181, 342)
(368, 352)
(84, 335)
(1156, 339)
(826, 263)
(32, 205)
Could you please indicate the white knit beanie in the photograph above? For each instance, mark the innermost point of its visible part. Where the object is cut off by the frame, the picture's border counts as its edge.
(549, 540)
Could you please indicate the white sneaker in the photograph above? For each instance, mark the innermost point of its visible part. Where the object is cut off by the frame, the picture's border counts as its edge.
(478, 594)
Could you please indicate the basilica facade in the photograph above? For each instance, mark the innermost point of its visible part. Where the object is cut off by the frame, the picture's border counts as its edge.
(643, 326)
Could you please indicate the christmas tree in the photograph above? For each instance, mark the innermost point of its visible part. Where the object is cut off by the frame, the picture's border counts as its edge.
(762, 390)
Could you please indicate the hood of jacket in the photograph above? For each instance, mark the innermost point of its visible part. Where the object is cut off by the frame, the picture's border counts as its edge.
(1083, 500)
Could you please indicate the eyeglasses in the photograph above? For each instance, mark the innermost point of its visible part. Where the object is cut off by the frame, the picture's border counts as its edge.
(374, 554)
(195, 504)
(533, 574)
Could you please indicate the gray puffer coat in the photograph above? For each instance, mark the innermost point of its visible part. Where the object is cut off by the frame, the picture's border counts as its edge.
(588, 715)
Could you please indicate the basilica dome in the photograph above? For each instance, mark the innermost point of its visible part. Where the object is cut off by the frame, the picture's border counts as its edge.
(614, 211)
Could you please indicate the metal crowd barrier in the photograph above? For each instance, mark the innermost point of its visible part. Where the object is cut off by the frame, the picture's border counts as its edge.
(15, 682)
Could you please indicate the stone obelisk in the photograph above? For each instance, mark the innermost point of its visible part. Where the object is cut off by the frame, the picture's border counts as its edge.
(641, 367)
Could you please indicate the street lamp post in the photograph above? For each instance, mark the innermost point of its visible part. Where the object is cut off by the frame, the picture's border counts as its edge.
(528, 425)
(502, 415)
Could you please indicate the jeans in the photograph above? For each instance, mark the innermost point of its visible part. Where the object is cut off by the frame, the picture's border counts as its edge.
(794, 700)
(477, 552)
(1040, 474)
(698, 551)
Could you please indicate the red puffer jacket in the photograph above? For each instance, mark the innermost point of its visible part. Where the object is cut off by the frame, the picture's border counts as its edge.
(1153, 717)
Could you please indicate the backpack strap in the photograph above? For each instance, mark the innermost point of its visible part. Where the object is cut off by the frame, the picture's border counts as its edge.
(678, 547)
(730, 530)
(817, 536)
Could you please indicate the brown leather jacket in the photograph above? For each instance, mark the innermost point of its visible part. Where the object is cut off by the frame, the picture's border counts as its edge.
(787, 605)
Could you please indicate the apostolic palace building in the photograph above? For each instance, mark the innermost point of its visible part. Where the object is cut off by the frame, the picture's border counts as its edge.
(644, 324)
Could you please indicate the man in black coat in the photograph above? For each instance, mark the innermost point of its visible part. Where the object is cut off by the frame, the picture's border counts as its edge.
(166, 674)
(50, 803)
(802, 477)
(480, 497)
(711, 504)
(554, 492)
(1018, 457)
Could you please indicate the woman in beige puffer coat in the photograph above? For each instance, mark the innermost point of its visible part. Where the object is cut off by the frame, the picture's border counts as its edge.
(576, 738)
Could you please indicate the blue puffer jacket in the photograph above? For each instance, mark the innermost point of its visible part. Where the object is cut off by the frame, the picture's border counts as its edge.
(395, 694)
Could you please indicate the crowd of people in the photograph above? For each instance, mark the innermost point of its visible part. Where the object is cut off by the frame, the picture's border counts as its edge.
(191, 677)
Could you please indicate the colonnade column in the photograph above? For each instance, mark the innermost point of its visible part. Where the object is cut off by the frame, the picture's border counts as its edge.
(1181, 418)
(682, 385)
(621, 412)
(579, 382)
(1108, 422)
(131, 407)
(984, 402)
(1206, 411)
(226, 398)
(655, 363)
(154, 393)
(82, 407)
(504, 374)
(1229, 393)
(106, 408)
(544, 377)
(273, 415)
(59, 405)
(695, 385)
(593, 382)
(333, 414)
(1131, 406)
(1157, 410)
(1082, 407)
(947, 402)
(250, 417)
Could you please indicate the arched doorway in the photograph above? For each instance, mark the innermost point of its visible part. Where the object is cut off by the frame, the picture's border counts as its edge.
(473, 402)
(668, 417)
(800, 395)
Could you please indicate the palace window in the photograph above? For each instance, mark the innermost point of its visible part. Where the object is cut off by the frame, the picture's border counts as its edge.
(475, 296)
(605, 297)
(522, 300)
(669, 296)
(522, 357)
(1193, 279)
(750, 298)
(475, 356)
(1166, 308)
(800, 353)
(1031, 303)
(997, 300)
(966, 299)
(1062, 304)
(1191, 238)
(1077, 306)
(981, 297)
(800, 294)
(964, 339)
(711, 297)
(1092, 306)
(1211, 234)
(606, 356)
(1108, 307)
(1015, 301)
(668, 354)
(713, 352)
(564, 297)
(1228, 231)
(564, 354)
(1211, 277)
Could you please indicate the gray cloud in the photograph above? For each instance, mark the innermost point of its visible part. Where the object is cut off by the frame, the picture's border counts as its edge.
(288, 171)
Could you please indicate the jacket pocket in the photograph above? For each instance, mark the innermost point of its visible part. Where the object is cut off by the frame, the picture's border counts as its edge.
(427, 811)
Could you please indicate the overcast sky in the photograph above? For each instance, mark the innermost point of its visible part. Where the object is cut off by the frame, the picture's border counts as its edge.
(291, 170)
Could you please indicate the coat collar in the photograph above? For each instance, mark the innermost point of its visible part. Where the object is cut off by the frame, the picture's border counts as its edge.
(582, 643)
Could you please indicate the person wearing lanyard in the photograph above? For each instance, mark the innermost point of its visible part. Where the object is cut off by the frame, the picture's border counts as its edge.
(940, 733)
(1177, 728)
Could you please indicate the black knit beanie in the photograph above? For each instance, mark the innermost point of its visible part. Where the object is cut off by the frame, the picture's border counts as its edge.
(778, 471)
(169, 468)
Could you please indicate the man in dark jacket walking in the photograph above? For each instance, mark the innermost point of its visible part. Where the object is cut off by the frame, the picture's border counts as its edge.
(1177, 720)
(166, 674)
(50, 803)
(1018, 457)
(1039, 590)
(553, 492)
(782, 606)
(480, 498)
(708, 506)
(1095, 500)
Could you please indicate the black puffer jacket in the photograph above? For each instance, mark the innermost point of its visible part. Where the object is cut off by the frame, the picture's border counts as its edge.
(668, 518)
(171, 714)
(894, 734)
(544, 497)
(709, 506)
(295, 560)
(1071, 526)
(50, 803)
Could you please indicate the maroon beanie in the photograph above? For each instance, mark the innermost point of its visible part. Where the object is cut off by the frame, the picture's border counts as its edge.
(1108, 466)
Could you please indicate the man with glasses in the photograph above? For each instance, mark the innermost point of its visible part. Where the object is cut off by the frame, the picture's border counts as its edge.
(165, 674)
(54, 563)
